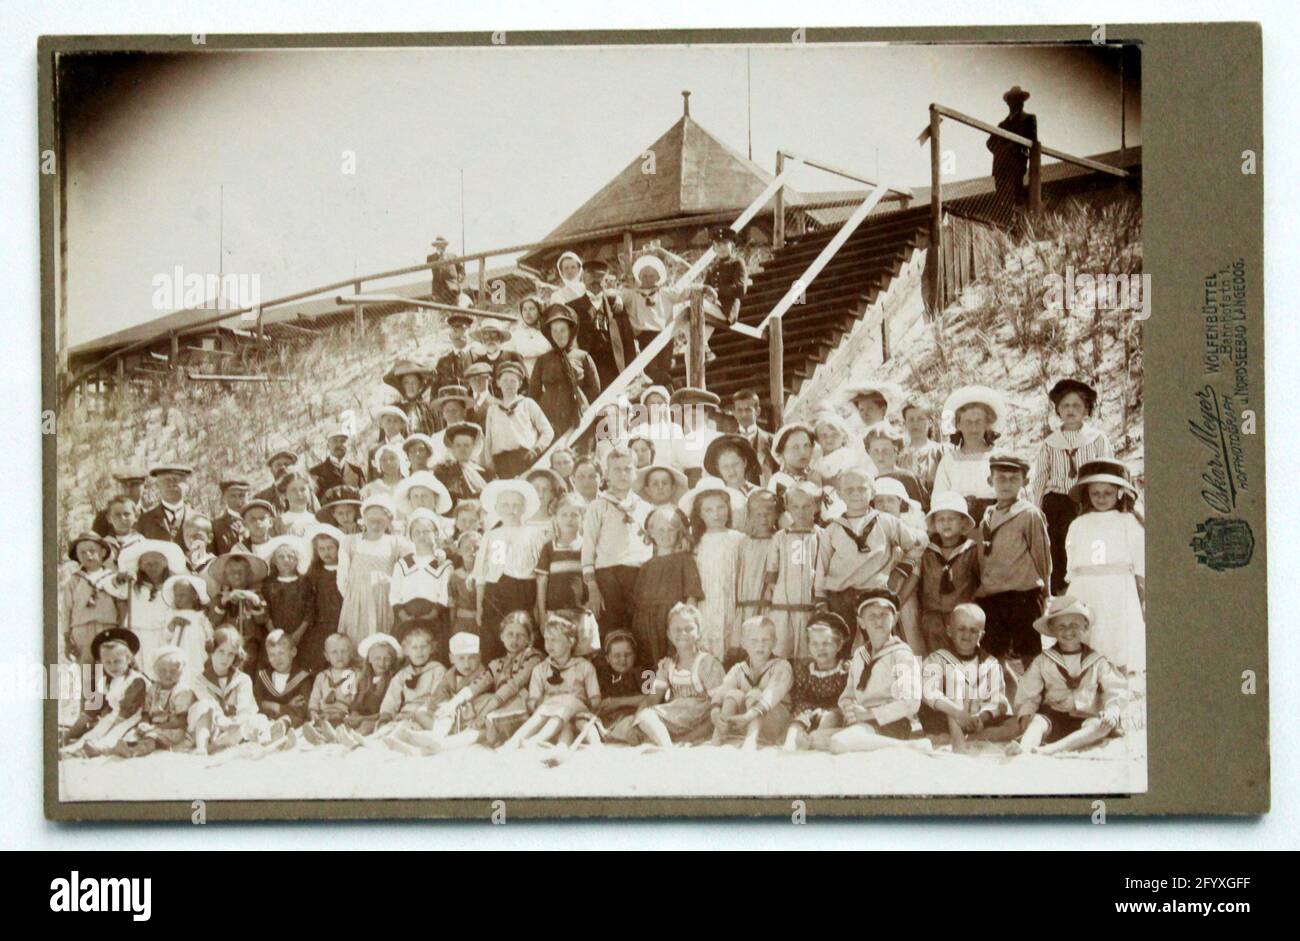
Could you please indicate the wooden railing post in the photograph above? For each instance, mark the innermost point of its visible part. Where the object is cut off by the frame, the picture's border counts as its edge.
(778, 207)
(358, 311)
(695, 340)
(936, 214)
(482, 282)
(776, 368)
(1035, 178)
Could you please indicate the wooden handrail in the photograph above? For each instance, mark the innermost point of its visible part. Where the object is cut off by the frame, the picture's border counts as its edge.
(898, 191)
(1022, 141)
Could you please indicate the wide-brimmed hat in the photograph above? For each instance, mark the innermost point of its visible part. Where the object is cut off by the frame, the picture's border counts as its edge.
(680, 483)
(419, 438)
(180, 470)
(877, 596)
(198, 584)
(322, 529)
(269, 548)
(557, 312)
(381, 500)
(649, 261)
(891, 392)
(778, 439)
(493, 491)
(484, 330)
(557, 482)
(405, 367)
(381, 410)
(730, 442)
(369, 643)
(949, 501)
(1102, 472)
(89, 536)
(341, 495)
(1015, 93)
(1080, 388)
(258, 569)
(460, 428)
(403, 465)
(119, 634)
(976, 395)
(428, 481)
(705, 485)
(128, 560)
(452, 394)
(1060, 606)
(893, 487)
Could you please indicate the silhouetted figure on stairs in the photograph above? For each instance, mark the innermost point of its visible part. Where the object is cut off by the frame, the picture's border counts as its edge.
(1010, 160)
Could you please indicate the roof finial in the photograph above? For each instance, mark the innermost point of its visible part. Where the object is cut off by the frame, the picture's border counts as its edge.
(686, 104)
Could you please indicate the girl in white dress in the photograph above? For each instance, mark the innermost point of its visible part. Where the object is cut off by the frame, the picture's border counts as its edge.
(1106, 568)
(717, 555)
(976, 412)
(145, 566)
(366, 563)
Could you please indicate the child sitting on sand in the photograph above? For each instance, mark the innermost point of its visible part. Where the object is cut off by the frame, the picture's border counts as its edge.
(226, 713)
(118, 704)
(681, 694)
(280, 688)
(332, 692)
(448, 720)
(412, 687)
(562, 689)
(963, 691)
(1071, 696)
(380, 654)
(752, 697)
(621, 693)
(883, 692)
(167, 702)
(818, 683)
(505, 711)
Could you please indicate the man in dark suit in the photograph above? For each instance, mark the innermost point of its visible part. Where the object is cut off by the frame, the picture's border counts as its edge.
(165, 521)
(280, 463)
(745, 411)
(130, 483)
(336, 470)
(228, 525)
(451, 366)
(1009, 158)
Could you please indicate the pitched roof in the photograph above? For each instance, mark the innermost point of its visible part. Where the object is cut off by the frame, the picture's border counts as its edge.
(692, 173)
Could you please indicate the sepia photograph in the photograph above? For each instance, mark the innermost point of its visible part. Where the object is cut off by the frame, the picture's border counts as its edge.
(681, 420)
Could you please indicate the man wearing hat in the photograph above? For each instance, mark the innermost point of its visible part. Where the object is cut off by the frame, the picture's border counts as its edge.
(411, 380)
(479, 378)
(228, 525)
(745, 409)
(336, 470)
(280, 462)
(1009, 158)
(130, 483)
(165, 520)
(451, 366)
(1016, 562)
(650, 306)
(599, 330)
(451, 406)
(491, 336)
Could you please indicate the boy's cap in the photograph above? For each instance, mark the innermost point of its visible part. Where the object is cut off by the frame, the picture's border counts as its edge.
(393, 410)
(721, 233)
(949, 501)
(132, 476)
(488, 330)
(89, 537)
(464, 320)
(462, 644)
(688, 395)
(892, 487)
(784, 432)
(1059, 607)
(255, 504)
(877, 596)
(452, 394)
(1006, 461)
(418, 438)
(596, 267)
(477, 369)
(120, 634)
(180, 470)
(337, 430)
(169, 652)
(228, 483)
(374, 640)
(282, 452)
(510, 365)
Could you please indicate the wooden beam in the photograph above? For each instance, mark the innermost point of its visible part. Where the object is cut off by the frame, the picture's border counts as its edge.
(778, 211)
(776, 368)
(1026, 142)
(695, 342)
(936, 213)
(1035, 177)
(358, 312)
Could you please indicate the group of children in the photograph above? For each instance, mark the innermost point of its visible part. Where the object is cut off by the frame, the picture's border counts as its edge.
(846, 583)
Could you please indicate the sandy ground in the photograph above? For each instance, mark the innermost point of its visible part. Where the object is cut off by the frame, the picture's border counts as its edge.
(1116, 766)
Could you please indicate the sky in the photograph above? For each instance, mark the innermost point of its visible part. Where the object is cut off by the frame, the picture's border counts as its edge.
(152, 142)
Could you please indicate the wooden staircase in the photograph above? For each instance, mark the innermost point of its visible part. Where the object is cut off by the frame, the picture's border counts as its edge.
(836, 299)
